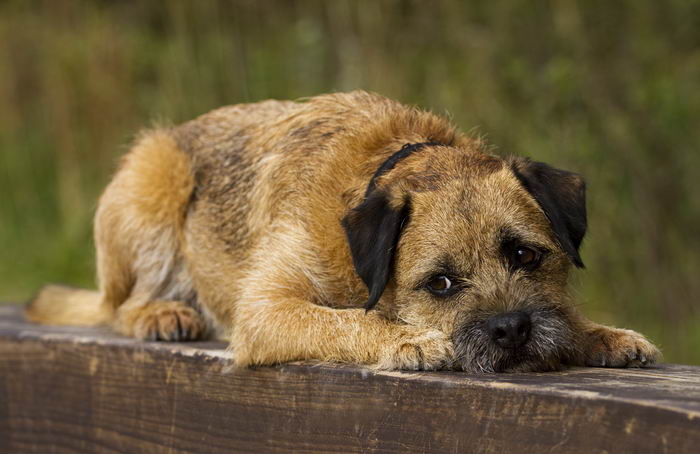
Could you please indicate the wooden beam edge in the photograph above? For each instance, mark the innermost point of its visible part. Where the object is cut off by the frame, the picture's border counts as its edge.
(632, 410)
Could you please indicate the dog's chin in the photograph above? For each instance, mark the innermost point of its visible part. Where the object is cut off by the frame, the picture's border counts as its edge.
(548, 348)
(514, 362)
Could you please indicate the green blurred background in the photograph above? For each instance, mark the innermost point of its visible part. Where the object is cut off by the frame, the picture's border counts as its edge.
(609, 89)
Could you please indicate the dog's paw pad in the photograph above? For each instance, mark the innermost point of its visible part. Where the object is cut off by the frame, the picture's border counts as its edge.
(417, 349)
(610, 347)
(169, 321)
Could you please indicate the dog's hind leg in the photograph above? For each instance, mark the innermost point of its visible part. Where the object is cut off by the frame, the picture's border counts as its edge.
(148, 319)
(138, 234)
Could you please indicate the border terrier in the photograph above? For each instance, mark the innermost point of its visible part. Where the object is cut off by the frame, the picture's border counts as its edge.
(346, 228)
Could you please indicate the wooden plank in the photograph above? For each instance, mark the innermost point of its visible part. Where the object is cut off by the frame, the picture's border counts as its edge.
(77, 390)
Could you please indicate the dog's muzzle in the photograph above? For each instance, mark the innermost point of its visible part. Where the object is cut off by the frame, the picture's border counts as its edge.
(536, 339)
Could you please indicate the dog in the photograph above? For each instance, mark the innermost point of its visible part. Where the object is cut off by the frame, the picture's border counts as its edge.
(345, 228)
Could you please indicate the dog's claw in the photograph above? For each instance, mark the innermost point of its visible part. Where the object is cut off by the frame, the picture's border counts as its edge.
(611, 347)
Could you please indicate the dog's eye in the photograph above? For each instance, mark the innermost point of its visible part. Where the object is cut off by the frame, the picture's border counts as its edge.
(525, 257)
(440, 285)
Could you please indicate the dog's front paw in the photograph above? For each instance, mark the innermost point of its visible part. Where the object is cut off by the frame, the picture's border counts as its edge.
(417, 349)
(612, 347)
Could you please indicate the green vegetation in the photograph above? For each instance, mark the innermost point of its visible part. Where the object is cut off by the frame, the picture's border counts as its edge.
(610, 89)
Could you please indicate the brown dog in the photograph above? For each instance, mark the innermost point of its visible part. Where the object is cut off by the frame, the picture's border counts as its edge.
(347, 228)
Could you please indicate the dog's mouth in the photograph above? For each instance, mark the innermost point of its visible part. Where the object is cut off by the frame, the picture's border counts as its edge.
(490, 343)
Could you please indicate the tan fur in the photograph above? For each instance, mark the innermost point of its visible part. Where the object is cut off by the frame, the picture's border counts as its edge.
(61, 305)
(230, 224)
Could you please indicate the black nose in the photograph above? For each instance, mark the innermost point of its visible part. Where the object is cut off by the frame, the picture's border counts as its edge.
(509, 330)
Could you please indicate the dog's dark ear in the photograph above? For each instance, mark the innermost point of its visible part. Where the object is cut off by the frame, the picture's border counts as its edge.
(373, 229)
(562, 197)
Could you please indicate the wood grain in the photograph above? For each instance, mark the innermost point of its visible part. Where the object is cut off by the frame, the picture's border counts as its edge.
(77, 390)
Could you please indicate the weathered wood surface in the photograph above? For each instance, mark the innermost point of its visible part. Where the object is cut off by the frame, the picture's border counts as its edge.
(70, 390)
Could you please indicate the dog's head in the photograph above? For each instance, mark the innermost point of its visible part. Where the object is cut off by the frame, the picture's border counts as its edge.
(477, 246)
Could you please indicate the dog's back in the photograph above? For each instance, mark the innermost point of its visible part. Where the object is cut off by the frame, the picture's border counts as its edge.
(189, 204)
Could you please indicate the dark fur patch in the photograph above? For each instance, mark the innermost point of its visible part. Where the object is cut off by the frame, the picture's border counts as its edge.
(373, 229)
(308, 129)
(224, 176)
(562, 197)
(405, 151)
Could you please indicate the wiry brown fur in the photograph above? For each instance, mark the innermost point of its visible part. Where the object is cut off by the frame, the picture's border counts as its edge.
(231, 223)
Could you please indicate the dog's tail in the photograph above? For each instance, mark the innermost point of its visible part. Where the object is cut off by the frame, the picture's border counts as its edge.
(62, 305)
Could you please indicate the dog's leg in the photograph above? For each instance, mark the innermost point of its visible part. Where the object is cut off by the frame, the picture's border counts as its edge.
(138, 234)
(271, 328)
(146, 319)
(605, 346)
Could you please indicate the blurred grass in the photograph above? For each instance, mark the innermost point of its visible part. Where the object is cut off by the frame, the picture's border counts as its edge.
(610, 89)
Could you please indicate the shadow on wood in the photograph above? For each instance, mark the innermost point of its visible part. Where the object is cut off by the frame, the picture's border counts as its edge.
(90, 391)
